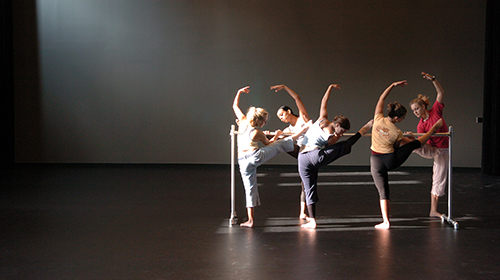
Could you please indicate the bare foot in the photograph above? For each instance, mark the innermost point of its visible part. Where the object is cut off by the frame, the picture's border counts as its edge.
(303, 216)
(311, 224)
(384, 225)
(248, 224)
(435, 214)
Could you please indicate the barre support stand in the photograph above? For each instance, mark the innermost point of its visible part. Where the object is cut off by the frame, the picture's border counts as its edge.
(233, 218)
(448, 219)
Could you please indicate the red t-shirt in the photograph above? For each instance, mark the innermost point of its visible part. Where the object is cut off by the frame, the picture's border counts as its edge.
(435, 113)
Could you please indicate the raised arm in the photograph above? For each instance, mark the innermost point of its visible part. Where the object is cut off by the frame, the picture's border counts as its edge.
(379, 109)
(237, 111)
(323, 113)
(302, 109)
(439, 89)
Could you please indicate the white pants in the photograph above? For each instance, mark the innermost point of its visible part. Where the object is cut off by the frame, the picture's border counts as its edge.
(440, 168)
(249, 163)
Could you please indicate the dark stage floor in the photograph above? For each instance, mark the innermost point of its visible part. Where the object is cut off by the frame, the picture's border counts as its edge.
(171, 222)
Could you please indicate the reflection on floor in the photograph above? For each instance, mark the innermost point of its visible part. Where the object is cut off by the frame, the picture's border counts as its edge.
(171, 222)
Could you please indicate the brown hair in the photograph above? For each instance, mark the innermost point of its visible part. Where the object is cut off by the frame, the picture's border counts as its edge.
(396, 109)
(342, 121)
(421, 100)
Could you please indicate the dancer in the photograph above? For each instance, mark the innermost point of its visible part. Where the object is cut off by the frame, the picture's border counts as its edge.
(320, 147)
(389, 148)
(286, 115)
(437, 147)
(250, 156)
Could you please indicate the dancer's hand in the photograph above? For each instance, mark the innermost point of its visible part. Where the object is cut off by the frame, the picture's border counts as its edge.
(410, 135)
(437, 125)
(428, 76)
(333, 139)
(277, 88)
(245, 89)
(400, 83)
(335, 86)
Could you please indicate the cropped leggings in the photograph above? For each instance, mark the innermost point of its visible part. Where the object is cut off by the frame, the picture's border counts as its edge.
(381, 164)
(295, 154)
(310, 162)
(249, 163)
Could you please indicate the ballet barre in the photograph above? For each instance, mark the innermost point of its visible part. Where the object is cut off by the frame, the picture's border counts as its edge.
(440, 134)
(233, 218)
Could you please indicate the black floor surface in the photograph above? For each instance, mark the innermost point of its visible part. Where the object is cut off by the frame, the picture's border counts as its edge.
(172, 222)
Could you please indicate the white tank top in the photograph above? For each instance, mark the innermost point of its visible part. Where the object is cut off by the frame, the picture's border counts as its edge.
(296, 128)
(245, 142)
(316, 136)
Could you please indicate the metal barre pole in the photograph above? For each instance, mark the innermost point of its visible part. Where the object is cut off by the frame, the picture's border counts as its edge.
(450, 173)
(233, 219)
(441, 134)
(448, 218)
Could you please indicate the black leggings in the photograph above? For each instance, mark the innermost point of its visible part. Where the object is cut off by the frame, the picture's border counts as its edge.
(380, 165)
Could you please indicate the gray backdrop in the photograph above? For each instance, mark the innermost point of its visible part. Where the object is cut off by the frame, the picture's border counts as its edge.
(143, 81)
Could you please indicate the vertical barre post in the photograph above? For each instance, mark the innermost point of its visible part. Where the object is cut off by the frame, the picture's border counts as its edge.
(450, 170)
(233, 219)
(448, 218)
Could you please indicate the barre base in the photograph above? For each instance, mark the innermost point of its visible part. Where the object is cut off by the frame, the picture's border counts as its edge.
(451, 222)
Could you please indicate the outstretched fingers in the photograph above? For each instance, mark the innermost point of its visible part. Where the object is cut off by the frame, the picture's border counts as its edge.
(245, 89)
(400, 83)
(277, 88)
(335, 86)
(427, 76)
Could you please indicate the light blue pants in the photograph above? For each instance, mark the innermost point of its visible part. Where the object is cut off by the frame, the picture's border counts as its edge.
(249, 163)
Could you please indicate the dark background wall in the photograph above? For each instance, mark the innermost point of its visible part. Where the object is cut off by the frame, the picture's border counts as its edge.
(116, 81)
(491, 128)
(6, 80)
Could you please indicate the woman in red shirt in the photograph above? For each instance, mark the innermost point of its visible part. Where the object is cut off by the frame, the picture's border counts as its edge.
(437, 147)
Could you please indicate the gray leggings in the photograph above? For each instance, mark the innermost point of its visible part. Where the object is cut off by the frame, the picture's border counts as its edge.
(295, 154)
(381, 164)
(310, 162)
